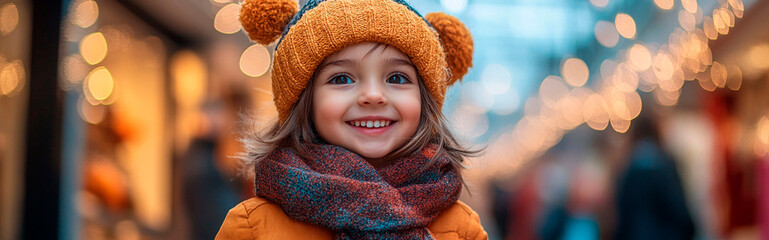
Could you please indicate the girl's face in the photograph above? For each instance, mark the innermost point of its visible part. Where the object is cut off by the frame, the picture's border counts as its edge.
(366, 99)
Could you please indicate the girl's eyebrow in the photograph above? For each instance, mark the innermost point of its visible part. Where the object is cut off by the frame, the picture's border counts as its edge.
(398, 61)
(340, 62)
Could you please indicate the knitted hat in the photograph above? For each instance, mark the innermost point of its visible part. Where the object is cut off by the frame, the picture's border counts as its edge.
(439, 45)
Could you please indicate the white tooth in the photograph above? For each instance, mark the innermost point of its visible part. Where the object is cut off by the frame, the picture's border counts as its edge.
(357, 123)
(369, 124)
(376, 124)
(387, 123)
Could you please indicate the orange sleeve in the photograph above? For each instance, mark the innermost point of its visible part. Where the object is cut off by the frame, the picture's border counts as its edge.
(236, 225)
(474, 228)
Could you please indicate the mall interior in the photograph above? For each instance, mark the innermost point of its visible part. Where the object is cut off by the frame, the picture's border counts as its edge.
(599, 119)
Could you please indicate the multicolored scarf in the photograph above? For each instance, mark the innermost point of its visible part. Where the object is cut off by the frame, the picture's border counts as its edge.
(340, 190)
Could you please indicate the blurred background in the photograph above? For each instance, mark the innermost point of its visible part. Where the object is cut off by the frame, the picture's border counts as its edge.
(601, 119)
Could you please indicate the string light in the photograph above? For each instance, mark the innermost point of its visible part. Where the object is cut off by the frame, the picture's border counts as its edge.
(93, 48)
(686, 56)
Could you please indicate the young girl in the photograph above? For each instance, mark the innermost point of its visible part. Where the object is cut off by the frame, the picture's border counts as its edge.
(361, 149)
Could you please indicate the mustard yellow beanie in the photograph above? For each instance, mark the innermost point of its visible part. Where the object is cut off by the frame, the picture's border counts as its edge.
(439, 45)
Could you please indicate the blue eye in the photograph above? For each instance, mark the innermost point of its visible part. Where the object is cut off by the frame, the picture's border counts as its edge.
(398, 79)
(340, 79)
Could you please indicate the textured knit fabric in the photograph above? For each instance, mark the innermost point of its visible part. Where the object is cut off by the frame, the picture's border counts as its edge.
(339, 190)
(321, 28)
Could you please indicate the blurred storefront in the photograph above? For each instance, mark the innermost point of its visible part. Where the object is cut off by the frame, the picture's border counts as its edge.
(119, 119)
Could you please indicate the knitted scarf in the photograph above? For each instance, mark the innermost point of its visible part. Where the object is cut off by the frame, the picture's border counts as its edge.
(340, 190)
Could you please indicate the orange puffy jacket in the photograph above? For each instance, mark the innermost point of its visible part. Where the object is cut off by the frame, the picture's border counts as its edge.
(258, 218)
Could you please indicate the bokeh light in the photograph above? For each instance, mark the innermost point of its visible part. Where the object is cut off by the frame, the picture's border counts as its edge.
(74, 69)
(606, 34)
(719, 23)
(99, 84)
(689, 5)
(226, 20)
(9, 18)
(664, 4)
(718, 74)
(93, 48)
(496, 79)
(93, 114)
(552, 90)
(663, 66)
(734, 81)
(454, 6)
(469, 122)
(640, 57)
(12, 77)
(709, 29)
(188, 72)
(625, 25)
(599, 3)
(575, 72)
(255, 60)
(757, 56)
(687, 20)
(475, 93)
(85, 13)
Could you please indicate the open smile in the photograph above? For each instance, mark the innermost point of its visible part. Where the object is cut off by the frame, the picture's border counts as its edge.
(371, 127)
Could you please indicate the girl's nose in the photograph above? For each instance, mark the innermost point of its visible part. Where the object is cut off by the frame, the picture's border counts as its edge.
(372, 94)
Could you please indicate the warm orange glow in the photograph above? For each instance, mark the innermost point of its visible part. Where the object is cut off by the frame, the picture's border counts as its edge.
(710, 30)
(675, 82)
(664, 4)
(705, 81)
(625, 25)
(734, 81)
(85, 14)
(92, 114)
(727, 17)
(596, 112)
(552, 90)
(689, 5)
(663, 66)
(606, 34)
(93, 48)
(718, 74)
(757, 56)
(640, 58)
(575, 72)
(666, 98)
(762, 130)
(738, 7)
(188, 72)
(226, 20)
(687, 21)
(99, 84)
(9, 18)
(12, 77)
(255, 60)
(625, 78)
(719, 23)
(618, 124)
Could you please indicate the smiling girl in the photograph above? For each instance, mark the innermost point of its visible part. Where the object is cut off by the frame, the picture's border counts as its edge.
(361, 149)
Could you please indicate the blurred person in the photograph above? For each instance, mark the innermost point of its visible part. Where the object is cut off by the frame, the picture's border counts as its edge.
(576, 217)
(211, 183)
(361, 149)
(650, 199)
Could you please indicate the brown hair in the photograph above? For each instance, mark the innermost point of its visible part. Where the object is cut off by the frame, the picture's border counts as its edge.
(298, 129)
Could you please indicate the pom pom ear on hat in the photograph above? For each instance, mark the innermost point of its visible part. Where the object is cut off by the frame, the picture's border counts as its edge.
(456, 41)
(265, 20)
